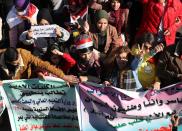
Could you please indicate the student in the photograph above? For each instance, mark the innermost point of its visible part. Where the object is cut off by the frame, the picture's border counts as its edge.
(16, 64)
(105, 36)
(147, 69)
(88, 60)
(118, 69)
(39, 45)
(59, 59)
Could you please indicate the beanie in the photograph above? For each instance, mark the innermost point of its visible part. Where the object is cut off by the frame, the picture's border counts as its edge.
(21, 5)
(101, 14)
(84, 43)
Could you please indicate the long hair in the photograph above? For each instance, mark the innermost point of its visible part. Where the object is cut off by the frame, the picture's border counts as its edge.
(110, 59)
(146, 37)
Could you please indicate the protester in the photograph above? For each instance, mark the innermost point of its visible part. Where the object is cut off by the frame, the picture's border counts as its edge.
(105, 36)
(118, 17)
(39, 45)
(146, 49)
(88, 60)
(16, 64)
(170, 66)
(21, 16)
(118, 69)
(61, 60)
(71, 12)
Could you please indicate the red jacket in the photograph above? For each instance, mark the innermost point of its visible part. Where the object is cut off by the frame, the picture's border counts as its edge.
(153, 12)
(67, 64)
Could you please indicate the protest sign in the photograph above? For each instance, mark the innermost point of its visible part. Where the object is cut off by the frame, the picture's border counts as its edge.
(44, 31)
(114, 109)
(40, 105)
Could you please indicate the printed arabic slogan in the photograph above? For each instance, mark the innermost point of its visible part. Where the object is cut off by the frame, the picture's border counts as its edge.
(114, 109)
(40, 105)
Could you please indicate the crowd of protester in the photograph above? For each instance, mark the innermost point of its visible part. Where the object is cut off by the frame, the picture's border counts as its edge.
(129, 44)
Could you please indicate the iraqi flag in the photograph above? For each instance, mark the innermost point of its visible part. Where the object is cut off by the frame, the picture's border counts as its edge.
(80, 17)
(13, 19)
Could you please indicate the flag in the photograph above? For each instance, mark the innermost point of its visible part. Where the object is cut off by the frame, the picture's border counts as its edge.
(80, 17)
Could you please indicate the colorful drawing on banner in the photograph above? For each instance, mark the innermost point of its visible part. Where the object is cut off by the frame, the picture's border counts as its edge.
(115, 109)
(40, 105)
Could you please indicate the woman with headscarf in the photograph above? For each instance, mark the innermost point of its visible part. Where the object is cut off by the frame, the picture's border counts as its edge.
(105, 36)
(41, 44)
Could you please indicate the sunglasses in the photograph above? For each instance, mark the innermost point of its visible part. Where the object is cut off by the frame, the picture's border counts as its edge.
(147, 47)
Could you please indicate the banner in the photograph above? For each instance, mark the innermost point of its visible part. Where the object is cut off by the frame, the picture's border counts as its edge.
(39, 105)
(114, 109)
(2, 106)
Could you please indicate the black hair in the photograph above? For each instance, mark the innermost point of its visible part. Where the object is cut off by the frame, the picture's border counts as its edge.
(44, 13)
(146, 38)
(11, 54)
(85, 50)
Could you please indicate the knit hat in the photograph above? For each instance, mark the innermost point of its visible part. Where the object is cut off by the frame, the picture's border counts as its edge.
(84, 43)
(21, 5)
(44, 14)
(101, 14)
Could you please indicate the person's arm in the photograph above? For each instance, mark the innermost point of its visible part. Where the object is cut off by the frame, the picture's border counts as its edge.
(26, 38)
(70, 62)
(31, 59)
(2, 50)
(89, 79)
(62, 34)
(175, 121)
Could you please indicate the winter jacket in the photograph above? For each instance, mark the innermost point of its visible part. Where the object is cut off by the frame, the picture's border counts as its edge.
(24, 70)
(111, 39)
(169, 69)
(153, 12)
